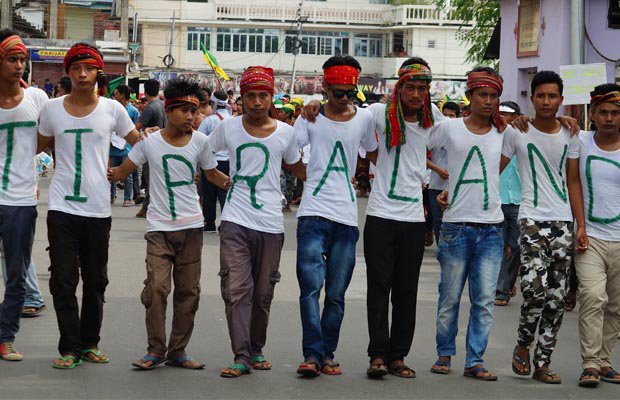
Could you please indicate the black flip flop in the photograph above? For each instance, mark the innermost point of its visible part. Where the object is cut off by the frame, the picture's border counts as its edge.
(608, 377)
(398, 371)
(440, 363)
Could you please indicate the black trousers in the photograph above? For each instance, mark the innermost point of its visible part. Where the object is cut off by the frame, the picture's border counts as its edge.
(211, 194)
(145, 184)
(78, 245)
(393, 251)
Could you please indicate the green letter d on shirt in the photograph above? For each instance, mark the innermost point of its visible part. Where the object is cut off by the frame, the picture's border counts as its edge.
(77, 182)
(251, 180)
(483, 180)
(531, 150)
(10, 133)
(170, 185)
(591, 216)
(337, 151)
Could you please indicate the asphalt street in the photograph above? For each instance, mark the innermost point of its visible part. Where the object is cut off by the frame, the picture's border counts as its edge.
(124, 340)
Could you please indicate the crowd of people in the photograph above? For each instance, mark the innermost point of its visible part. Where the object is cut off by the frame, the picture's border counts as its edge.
(509, 195)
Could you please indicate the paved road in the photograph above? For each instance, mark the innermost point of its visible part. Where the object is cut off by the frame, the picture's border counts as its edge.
(124, 341)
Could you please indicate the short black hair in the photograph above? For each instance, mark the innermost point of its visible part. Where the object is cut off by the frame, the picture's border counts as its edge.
(5, 33)
(604, 89)
(207, 91)
(65, 83)
(230, 92)
(544, 77)
(124, 90)
(512, 105)
(342, 60)
(176, 88)
(414, 60)
(450, 105)
(151, 87)
(220, 94)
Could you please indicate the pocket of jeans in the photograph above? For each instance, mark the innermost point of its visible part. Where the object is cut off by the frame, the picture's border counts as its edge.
(225, 283)
(146, 296)
(450, 232)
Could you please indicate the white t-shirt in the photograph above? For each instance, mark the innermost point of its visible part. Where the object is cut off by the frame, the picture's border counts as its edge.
(175, 204)
(328, 191)
(18, 147)
(397, 187)
(80, 185)
(600, 182)
(473, 165)
(254, 200)
(542, 161)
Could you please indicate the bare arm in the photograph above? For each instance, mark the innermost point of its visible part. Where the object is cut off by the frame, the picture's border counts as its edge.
(372, 156)
(133, 137)
(121, 172)
(299, 170)
(43, 142)
(575, 196)
(218, 178)
(442, 172)
(503, 163)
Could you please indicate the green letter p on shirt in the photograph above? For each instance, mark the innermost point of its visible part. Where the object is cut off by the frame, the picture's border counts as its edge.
(170, 184)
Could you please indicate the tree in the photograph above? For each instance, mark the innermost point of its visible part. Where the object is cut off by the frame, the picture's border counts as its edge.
(484, 14)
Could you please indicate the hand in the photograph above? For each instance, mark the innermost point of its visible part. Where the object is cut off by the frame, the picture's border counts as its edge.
(111, 175)
(443, 173)
(150, 130)
(571, 124)
(581, 240)
(310, 111)
(521, 123)
(503, 125)
(228, 184)
(442, 199)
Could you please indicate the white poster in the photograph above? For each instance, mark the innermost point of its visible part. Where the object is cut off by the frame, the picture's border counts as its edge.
(580, 80)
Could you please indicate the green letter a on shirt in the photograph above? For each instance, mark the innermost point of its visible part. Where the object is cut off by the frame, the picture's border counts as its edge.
(531, 150)
(170, 184)
(77, 182)
(10, 133)
(591, 216)
(251, 180)
(391, 193)
(337, 151)
(485, 184)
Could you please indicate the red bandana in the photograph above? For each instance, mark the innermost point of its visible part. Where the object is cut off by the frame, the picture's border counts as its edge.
(169, 104)
(611, 97)
(82, 54)
(341, 75)
(257, 78)
(476, 80)
(13, 45)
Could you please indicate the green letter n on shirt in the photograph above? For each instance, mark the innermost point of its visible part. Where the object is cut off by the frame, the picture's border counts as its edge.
(337, 151)
(170, 184)
(485, 184)
(10, 137)
(77, 181)
(561, 192)
(251, 180)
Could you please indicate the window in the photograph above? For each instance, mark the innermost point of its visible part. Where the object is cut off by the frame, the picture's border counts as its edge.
(368, 45)
(318, 43)
(247, 40)
(196, 36)
(431, 44)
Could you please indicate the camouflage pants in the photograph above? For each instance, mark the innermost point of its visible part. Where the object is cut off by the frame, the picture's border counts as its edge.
(546, 252)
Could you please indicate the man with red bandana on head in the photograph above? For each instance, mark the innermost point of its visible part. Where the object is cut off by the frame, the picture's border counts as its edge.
(19, 113)
(471, 239)
(327, 228)
(79, 218)
(252, 229)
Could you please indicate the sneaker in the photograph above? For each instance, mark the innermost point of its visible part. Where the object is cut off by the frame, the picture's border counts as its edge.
(127, 203)
(210, 228)
(141, 214)
(8, 352)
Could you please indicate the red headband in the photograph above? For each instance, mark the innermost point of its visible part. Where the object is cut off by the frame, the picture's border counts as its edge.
(479, 79)
(257, 78)
(341, 75)
(181, 101)
(611, 97)
(12, 45)
(83, 54)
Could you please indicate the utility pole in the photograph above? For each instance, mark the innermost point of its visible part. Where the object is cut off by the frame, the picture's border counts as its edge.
(7, 15)
(124, 20)
(168, 59)
(300, 21)
(53, 33)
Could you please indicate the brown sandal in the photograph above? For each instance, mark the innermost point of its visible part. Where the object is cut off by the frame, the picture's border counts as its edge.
(546, 375)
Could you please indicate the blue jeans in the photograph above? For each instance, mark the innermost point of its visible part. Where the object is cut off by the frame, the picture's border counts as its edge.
(17, 225)
(325, 253)
(473, 253)
(33, 292)
(435, 212)
(115, 161)
(510, 265)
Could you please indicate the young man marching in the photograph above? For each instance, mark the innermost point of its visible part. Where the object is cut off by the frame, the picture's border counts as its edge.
(471, 239)
(19, 115)
(79, 217)
(598, 268)
(252, 230)
(548, 160)
(174, 224)
(327, 218)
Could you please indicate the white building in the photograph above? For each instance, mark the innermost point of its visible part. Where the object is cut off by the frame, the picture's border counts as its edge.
(240, 33)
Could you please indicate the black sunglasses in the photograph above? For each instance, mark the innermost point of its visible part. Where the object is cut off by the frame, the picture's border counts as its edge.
(339, 94)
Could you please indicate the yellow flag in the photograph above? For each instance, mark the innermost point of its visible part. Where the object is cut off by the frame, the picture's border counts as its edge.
(212, 62)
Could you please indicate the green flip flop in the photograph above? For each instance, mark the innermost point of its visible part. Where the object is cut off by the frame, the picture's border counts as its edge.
(97, 353)
(65, 359)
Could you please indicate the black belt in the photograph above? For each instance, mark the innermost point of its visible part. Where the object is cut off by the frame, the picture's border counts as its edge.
(479, 225)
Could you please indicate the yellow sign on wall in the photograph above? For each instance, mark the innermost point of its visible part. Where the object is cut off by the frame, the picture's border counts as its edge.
(528, 28)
